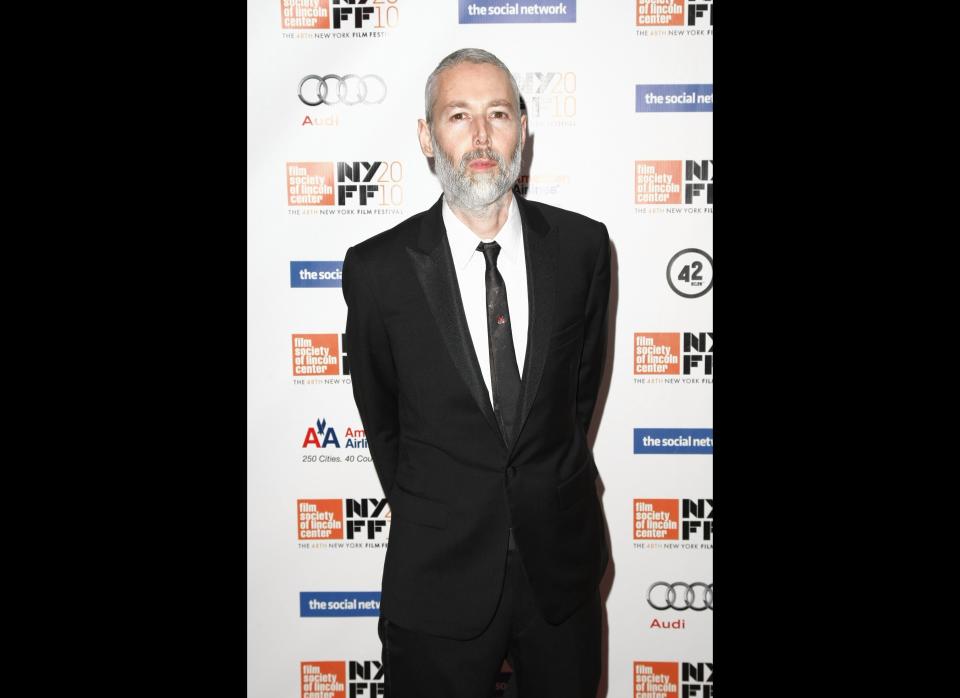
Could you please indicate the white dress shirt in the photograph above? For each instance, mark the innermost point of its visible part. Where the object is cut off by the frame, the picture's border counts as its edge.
(471, 269)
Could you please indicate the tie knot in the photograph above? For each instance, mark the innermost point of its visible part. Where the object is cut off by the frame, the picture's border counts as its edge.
(491, 251)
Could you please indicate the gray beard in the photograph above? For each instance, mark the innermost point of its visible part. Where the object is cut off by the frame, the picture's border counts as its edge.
(474, 192)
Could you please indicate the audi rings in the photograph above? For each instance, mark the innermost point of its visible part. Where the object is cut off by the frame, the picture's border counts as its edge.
(689, 597)
(350, 89)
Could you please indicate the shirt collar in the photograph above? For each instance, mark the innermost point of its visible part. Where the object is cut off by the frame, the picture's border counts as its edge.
(463, 241)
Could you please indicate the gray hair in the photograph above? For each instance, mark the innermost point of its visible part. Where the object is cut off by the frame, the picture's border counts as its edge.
(464, 55)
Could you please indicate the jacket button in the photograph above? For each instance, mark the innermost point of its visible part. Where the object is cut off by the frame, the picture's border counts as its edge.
(511, 471)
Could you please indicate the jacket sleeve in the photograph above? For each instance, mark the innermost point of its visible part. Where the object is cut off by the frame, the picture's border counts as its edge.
(594, 335)
(372, 371)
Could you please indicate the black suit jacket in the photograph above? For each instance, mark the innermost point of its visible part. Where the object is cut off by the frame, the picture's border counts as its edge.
(453, 485)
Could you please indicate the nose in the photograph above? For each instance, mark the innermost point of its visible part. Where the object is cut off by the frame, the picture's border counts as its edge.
(480, 134)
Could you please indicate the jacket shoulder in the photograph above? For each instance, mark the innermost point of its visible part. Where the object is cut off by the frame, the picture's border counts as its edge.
(386, 245)
(573, 227)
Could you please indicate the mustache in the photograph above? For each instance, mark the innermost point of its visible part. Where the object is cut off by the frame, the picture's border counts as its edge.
(480, 154)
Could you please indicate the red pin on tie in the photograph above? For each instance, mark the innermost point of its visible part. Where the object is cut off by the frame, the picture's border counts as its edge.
(501, 320)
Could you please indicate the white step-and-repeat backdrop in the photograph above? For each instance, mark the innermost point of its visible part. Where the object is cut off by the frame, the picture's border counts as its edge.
(619, 98)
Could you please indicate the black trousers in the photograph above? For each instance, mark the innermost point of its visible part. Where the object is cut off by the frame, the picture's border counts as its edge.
(560, 661)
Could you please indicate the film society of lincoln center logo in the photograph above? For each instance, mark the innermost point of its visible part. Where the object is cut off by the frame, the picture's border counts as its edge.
(319, 356)
(358, 521)
(673, 183)
(358, 679)
(676, 13)
(342, 15)
(687, 355)
(342, 679)
(672, 679)
(673, 520)
(359, 186)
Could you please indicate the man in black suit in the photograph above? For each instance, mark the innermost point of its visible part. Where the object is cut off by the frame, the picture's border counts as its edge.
(496, 543)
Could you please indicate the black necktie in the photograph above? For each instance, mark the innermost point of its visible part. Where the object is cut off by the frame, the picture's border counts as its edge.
(504, 374)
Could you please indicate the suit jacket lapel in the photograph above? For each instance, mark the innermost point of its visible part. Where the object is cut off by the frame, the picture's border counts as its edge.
(433, 263)
(540, 248)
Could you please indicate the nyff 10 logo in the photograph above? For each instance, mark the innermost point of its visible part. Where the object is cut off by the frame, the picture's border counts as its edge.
(342, 679)
(339, 14)
(673, 679)
(358, 184)
(659, 353)
(674, 13)
(688, 182)
(673, 519)
(549, 96)
(323, 519)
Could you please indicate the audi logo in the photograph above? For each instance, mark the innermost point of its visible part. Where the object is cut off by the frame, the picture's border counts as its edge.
(691, 598)
(348, 89)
